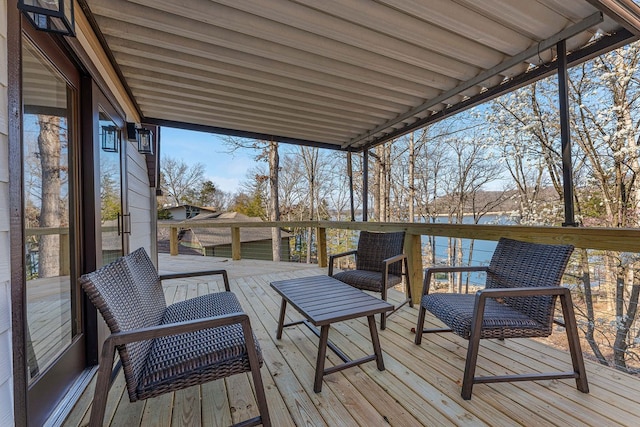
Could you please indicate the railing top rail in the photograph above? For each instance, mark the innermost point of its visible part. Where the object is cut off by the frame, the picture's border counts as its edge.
(613, 239)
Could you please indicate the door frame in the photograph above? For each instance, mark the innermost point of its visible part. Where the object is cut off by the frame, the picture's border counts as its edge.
(92, 100)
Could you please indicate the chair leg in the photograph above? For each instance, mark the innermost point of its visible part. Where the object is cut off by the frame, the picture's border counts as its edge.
(103, 383)
(470, 367)
(408, 283)
(261, 397)
(472, 350)
(383, 315)
(574, 343)
(420, 325)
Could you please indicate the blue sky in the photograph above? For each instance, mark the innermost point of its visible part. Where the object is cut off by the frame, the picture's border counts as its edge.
(226, 170)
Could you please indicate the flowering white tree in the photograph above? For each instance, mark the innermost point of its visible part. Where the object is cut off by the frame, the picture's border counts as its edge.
(605, 123)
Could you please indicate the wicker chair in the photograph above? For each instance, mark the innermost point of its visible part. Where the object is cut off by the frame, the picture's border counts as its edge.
(163, 349)
(522, 285)
(379, 262)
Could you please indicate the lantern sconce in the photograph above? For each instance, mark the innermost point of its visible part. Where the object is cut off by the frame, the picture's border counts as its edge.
(110, 139)
(55, 16)
(145, 141)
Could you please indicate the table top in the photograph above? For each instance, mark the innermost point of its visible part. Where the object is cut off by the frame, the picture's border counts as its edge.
(324, 300)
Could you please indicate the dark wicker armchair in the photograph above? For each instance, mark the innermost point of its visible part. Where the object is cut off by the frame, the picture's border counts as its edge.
(379, 263)
(164, 349)
(522, 285)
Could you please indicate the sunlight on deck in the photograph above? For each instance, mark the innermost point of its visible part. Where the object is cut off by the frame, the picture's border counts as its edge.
(420, 386)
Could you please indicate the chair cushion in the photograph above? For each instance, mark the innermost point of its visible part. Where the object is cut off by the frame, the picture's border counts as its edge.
(499, 321)
(366, 280)
(187, 359)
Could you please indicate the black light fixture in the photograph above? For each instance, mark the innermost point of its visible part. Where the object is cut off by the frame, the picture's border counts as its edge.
(145, 141)
(54, 16)
(110, 139)
(132, 134)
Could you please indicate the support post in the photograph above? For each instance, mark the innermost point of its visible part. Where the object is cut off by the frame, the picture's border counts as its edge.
(413, 249)
(350, 174)
(365, 185)
(235, 243)
(565, 136)
(321, 246)
(173, 241)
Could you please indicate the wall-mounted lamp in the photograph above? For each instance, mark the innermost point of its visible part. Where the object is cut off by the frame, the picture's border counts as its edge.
(132, 134)
(145, 141)
(110, 139)
(54, 16)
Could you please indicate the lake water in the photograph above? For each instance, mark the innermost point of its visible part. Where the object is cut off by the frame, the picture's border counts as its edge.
(482, 249)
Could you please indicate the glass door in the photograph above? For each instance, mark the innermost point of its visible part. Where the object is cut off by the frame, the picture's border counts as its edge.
(54, 340)
(114, 224)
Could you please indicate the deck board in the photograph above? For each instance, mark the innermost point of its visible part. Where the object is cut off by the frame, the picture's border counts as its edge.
(420, 386)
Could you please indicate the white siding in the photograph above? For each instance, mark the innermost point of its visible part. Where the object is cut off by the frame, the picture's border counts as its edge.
(140, 202)
(6, 383)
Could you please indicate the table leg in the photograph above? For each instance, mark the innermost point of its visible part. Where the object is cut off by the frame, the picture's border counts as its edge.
(283, 309)
(376, 342)
(322, 353)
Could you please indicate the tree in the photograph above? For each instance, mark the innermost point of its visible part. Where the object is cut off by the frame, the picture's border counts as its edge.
(252, 200)
(206, 194)
(605, 122)
(249, 204)
(267, 150)
(179, 181)
(51, 209)
(310, 157)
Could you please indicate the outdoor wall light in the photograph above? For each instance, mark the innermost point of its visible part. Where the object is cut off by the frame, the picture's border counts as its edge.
(145, 141)
(110, 139)
(55, 16)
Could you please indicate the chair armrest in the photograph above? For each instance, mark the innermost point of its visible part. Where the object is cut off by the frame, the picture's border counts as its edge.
(335, 256)
(393, 259)
(528, 291)
(387, 262)
(197, 274)
(142, 334)
(483, 294)
(429, 271)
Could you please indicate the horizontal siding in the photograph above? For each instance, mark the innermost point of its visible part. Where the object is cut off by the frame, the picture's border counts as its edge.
(6, 403)
(140, 200)
(6, 383)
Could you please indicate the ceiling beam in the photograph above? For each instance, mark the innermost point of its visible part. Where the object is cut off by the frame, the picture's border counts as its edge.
(571, 31)
(240, 133)
(604, 44)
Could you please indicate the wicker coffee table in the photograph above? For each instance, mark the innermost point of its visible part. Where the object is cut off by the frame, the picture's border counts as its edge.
(323, 300)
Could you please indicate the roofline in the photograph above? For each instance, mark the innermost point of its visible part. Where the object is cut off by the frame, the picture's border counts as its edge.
(604, 44)
(244, 134)
(110, 56)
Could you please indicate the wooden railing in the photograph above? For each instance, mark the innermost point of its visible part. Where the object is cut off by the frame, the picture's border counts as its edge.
(613, 239)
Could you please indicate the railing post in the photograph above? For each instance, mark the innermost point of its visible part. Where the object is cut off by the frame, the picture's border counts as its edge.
(321, 246)
(173, 241)
(64, 254)
(235, 243)
(413, 249)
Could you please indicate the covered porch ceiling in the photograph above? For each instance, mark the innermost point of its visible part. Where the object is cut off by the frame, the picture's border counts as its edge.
(341, 74)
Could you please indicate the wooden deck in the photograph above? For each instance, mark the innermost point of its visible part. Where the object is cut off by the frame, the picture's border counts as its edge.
(420, 386)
